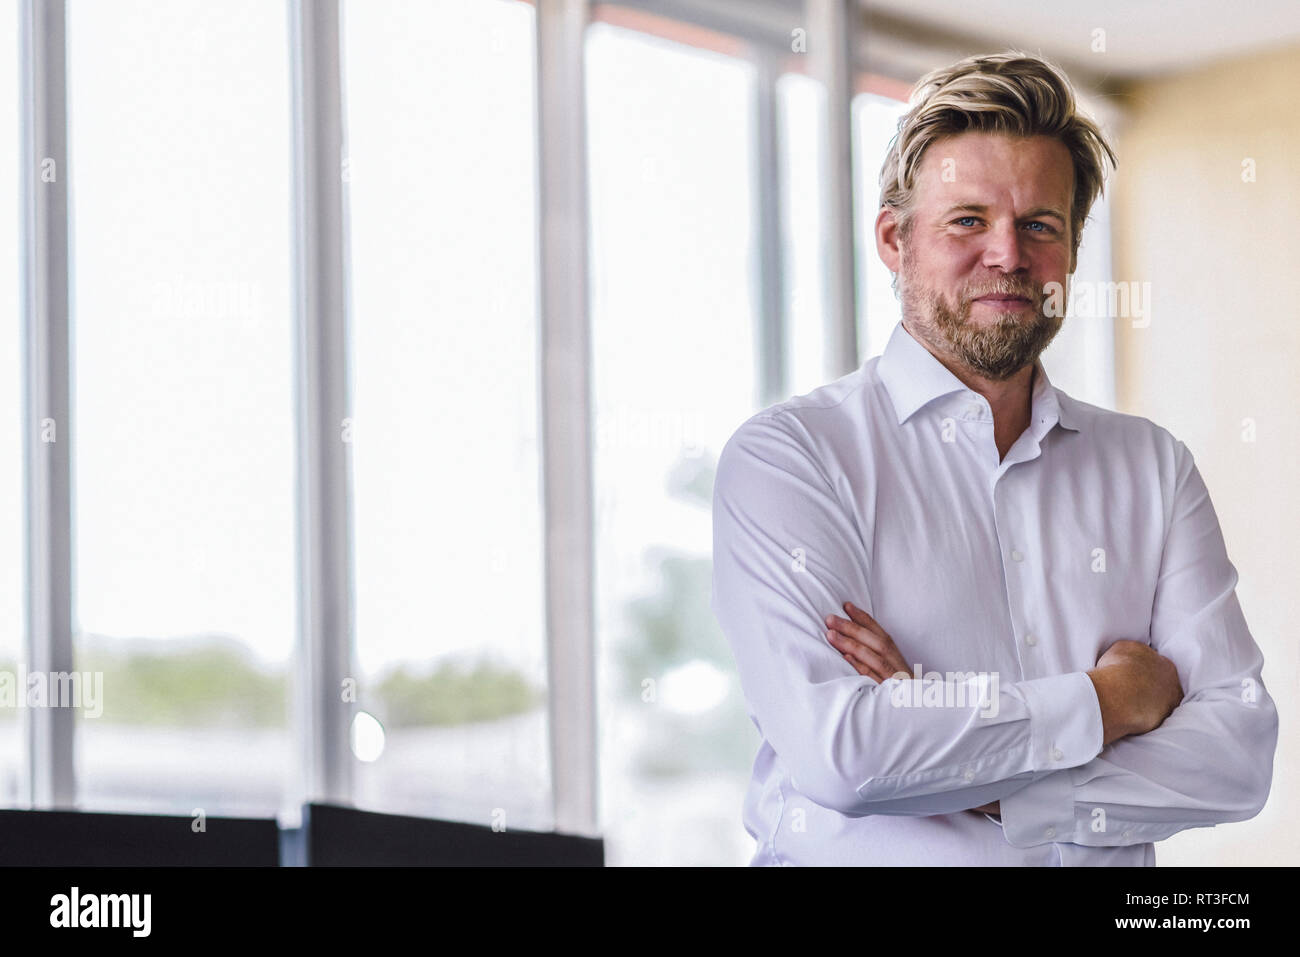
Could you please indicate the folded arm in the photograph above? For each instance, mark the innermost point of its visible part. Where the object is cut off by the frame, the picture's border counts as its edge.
(786, 553)
(1211, 761)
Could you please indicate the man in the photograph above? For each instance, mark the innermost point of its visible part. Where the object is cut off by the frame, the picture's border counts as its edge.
(978, 621)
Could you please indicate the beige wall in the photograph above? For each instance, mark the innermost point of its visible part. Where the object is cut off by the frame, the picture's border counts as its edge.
(1223, 346)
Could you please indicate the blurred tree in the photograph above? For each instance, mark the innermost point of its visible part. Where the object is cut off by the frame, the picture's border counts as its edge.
(214, 681)
(674, 626)
(454, 693)
(208, 681)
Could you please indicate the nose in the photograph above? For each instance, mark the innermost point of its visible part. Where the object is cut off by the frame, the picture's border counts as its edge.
(1004, 248)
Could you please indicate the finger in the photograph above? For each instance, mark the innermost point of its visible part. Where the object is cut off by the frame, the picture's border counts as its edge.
(893, 656)
(860, 668)
(862, 618)
(858, 652)
(873, 639)
(843, 646)
(898, 667)
(874, 674)
(886, 644)
(863, 670)
(882, 646)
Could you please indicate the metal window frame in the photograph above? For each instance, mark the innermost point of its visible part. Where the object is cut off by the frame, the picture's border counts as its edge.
(773, 320)
(566, 412)
(324, 660)
(50, 732)
(831, 35)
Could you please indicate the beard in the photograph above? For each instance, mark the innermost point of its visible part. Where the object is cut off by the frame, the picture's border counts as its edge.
(996, 350)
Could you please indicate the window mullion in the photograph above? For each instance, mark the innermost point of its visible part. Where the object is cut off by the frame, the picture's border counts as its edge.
(324, 661)
(831, 36)
(566, 412)
(47, 406)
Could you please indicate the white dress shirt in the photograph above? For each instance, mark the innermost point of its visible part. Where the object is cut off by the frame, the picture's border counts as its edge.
(884, 488)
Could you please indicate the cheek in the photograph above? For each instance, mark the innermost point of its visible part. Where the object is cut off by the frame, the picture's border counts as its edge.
(1051, 260)
(957, 260)
(948, 263)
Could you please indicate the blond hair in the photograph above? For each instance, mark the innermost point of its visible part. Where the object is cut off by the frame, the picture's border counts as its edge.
(1015, 93)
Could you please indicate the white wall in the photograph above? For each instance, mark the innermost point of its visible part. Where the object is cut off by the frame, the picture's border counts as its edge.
(1222, 347)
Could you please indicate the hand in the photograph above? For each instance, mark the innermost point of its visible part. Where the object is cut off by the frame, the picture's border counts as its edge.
(865, 645)
(1137, 688)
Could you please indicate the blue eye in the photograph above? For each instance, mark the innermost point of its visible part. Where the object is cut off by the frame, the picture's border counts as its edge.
(1045, 227)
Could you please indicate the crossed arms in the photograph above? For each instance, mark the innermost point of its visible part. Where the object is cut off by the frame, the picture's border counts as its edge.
(1044, 752)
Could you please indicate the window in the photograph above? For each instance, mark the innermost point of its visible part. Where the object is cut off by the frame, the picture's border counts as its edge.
(875, 121)
(801, 106)
(183, 511)
(1081, 359)
(671, 147)
(183, 435)
(450, 624)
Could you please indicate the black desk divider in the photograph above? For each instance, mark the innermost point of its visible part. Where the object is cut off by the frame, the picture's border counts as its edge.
(91, 839)
(329, 836)
(333, 836)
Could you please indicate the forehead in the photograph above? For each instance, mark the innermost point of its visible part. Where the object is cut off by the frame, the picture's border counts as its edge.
(989, 168)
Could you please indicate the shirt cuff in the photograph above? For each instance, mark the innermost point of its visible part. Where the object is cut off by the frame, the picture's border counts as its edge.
(1064, 721)
(1042, 813)
(1065, 731)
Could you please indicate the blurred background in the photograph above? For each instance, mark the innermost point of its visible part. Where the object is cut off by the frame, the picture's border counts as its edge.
(679, 205)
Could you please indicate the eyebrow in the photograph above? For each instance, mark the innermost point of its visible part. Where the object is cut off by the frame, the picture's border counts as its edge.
(1037, 212)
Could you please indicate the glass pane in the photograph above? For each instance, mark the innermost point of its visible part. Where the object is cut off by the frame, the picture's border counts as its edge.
(674, 313)
(183, 470)
(13, 607)
(801, 106)
(449, 586)
(875, 120)
(1081, 359)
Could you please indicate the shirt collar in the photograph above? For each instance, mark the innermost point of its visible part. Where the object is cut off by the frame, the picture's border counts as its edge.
(914, 378)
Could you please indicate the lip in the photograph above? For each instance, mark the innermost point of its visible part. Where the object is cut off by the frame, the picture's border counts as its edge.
(1006, 303)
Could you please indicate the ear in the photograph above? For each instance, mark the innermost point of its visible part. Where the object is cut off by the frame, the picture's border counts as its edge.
(887, 246)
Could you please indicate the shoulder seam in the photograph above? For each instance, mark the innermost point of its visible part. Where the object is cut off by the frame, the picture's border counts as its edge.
(784, 407)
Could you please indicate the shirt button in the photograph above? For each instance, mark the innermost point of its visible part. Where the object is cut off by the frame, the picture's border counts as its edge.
(1056, 754)
(969, 775)
(1031, 639)
(1128, 832)
(1050, 832)
(1016, 556)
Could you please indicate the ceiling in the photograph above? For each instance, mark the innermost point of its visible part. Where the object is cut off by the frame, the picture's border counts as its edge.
(1142, 37)
(904, 39)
